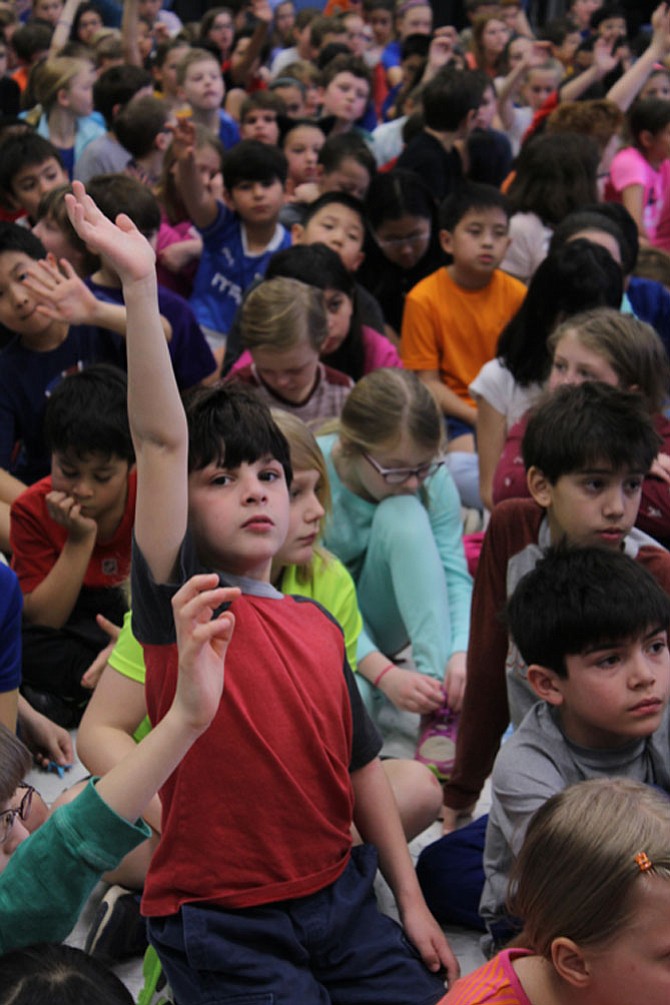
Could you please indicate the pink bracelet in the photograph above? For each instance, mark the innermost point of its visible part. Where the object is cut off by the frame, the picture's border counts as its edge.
(389, 666)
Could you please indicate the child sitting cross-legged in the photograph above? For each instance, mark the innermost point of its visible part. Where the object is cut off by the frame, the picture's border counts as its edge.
(587, 450)
(296, 753)
(592, 627)
(70, 539)
(604, 843)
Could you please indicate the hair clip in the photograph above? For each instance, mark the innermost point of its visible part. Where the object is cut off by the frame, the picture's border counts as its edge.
(643, 861)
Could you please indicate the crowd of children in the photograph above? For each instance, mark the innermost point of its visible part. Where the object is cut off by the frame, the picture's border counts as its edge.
(291, 299)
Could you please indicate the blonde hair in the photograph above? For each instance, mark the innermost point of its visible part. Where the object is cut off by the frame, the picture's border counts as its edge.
(632, 348)
(52, 76)
(383, 404)
(577, 872)
(281, 313)
(305, 456)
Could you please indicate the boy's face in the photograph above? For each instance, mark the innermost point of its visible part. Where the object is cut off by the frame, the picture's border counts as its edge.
(260, 124)
(98, 484)
(478, 244)
(293, 99)
(615, 692)
(301, 149)
(203, 86)
(48, 10)
(17, 304)
(345, 97)
(338, 227)
(239, 516)
(30, 183)
(349, 176)
(257, 202)
(290, 373)
(612, 28)
(597, 506)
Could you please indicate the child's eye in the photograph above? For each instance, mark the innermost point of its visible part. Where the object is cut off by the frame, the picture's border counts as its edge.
(658, 646)
(633, 485)
(221, 480)
(559, 366)
(103, 479)
(607, 662)
(270, 475)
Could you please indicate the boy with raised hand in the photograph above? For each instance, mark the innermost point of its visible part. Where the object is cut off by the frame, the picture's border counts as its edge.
(46, 876)
(586, 451)
(592, 627)
(292, 740)
(239, 234)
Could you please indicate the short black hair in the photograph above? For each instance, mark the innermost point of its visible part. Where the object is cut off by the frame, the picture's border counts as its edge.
(115, 87)
(335, 199)
(60, 975)
(119, 193)
(229, 425)
(20, 150)
(16, 238)
(251, 160)
(648, 115)
(577, 598)
(337, 148)
(87, 413)
(449, 96)
(578, 426)
(468, 196)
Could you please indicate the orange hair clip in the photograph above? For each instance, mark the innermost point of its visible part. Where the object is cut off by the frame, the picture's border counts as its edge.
(643, 862)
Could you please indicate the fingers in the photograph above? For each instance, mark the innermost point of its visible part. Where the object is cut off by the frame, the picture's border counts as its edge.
(199, 597)
(108, 626)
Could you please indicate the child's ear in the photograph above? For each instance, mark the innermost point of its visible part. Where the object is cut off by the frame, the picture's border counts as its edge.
(646, 138)
(539, 487)
(297, 232)
(545, 683)
(228, 200)
(358, 261)
(445, 241)
(570, 963)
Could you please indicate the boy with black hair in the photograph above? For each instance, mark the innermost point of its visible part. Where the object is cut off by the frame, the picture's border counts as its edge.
(70, 539)
(239, 234)
(592, 627)
(112, 91)
(192, 359)
(451, 101)
(452, 319)
(30, 166)
(586, 450)
(291, 721)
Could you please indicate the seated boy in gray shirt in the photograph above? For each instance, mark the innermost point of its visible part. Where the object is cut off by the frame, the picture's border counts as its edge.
(592, 626)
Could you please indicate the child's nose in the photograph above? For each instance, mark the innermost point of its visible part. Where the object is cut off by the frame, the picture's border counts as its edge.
(614, 502)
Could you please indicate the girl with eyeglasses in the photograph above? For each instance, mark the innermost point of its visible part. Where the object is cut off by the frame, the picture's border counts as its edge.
(396, 525)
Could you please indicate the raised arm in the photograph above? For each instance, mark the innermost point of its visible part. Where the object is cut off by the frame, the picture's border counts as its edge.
(157, 419)
(201, 206)
(130, 34)
(63, 27)
(627, 88)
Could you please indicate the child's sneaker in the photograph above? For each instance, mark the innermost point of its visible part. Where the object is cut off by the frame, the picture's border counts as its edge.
(118, 929)
(437, 741)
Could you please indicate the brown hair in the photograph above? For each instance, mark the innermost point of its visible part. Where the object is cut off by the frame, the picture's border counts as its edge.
(15, 763)
(632, 348)
(577, 873)
(601, 119)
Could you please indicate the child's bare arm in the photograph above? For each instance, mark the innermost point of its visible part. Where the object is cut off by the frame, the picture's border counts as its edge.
(447, 399)
(51, 602)
(376, 818)
(157, 419)
(202, 643)
(201, 206)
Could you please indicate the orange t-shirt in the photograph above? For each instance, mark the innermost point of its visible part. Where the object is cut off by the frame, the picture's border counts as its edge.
(455, 331)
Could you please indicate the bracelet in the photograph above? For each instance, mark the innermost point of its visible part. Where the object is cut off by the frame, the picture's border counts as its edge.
(389, 666)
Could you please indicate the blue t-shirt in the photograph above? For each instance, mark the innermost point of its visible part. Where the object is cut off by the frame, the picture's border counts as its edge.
(27, 378)
(229, 132)
(227, 269)
(11, 605)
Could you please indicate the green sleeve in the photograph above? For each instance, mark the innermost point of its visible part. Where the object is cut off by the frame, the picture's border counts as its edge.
(127, 659)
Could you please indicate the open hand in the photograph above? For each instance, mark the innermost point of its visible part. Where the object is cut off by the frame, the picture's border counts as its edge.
(121, 243)
(63, 294)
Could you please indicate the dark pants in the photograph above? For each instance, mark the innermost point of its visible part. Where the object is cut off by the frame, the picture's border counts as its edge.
(333, 946)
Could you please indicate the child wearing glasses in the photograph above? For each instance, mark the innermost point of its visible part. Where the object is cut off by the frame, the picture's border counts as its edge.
(48, 867)
(396, 525)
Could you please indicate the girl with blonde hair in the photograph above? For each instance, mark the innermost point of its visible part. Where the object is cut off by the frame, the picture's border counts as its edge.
(396, 525)
(63, 88)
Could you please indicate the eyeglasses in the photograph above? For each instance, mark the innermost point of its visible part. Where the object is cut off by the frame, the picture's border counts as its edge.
(8, 817)
(398, 476)
(415, 239)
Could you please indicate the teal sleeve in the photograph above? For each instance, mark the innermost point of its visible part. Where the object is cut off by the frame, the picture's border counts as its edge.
(52, 873)
(444, 511)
